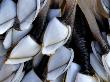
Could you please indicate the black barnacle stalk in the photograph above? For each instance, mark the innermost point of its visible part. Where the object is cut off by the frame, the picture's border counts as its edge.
(54, 4)
(41, 69)
(103, 24)
(16, 24)
(27, 66)
(79, 39)
(68, 15)
(72, 15)
(40, 23)
(1, 1)
(81, 42)
(15, 1)
(104, 28)
(37, 33)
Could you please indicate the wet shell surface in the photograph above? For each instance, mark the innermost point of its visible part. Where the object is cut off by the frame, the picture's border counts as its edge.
(98, 67)
(8, 70)
(106, 62)
(9, 79)
(54, 41)
(27, 16)
(13, 36)
(31, 77)
(59, 63)
(85, 78)
(59, 79)
(72, 72)
(19, 74)
(23, 51)
(7, 20)
(55, 29)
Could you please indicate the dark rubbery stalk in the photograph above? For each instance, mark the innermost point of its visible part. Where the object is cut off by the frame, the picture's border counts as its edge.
(41, 69)
(81, 43)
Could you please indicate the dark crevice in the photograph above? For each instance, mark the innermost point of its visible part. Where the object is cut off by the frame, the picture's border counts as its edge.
(81, 42)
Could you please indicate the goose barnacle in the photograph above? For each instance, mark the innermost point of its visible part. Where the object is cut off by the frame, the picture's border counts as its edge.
(54, 13)
(29, 14)
(59, 79)
(85, 78)
(52, 61)
(13, 36)
(7, 15)
(72, 72)
(106, 58)
(23, 51)
(8, 40)
(51, 42)
(98, 67)
(7, 69)
(96, 50)
(9, 79)
(19, 74)
(106, 62)
(91, 21)
(59, 62)
(55, 36)
(15, 75)
(37, 59)
(31, 77)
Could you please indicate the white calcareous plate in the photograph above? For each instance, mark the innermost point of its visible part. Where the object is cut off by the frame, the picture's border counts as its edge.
(31, 77)
(85, 78)
(98, 67)
(13, 36)
(30, 12)
(59, 62)
(72, 72)
(55, 36)
(7, 15)
(25, 50)
(7, 70)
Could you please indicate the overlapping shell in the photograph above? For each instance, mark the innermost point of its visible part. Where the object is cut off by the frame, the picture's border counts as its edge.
(21, 53)
(31, 77)
(85, 78)
(72, 72)
(59, 63)
(7, 15)
(7, 70)
(55, 36)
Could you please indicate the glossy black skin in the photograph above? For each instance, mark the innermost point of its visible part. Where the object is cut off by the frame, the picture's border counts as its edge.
(81, 42)
(15, 1)
(41, 69)
(1, 1)
(40, 24)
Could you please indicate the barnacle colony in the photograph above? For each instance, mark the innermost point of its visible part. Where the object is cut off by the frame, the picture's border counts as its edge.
(46, 41)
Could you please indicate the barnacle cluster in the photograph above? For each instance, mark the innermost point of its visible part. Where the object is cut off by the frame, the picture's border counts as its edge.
(54, 40)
